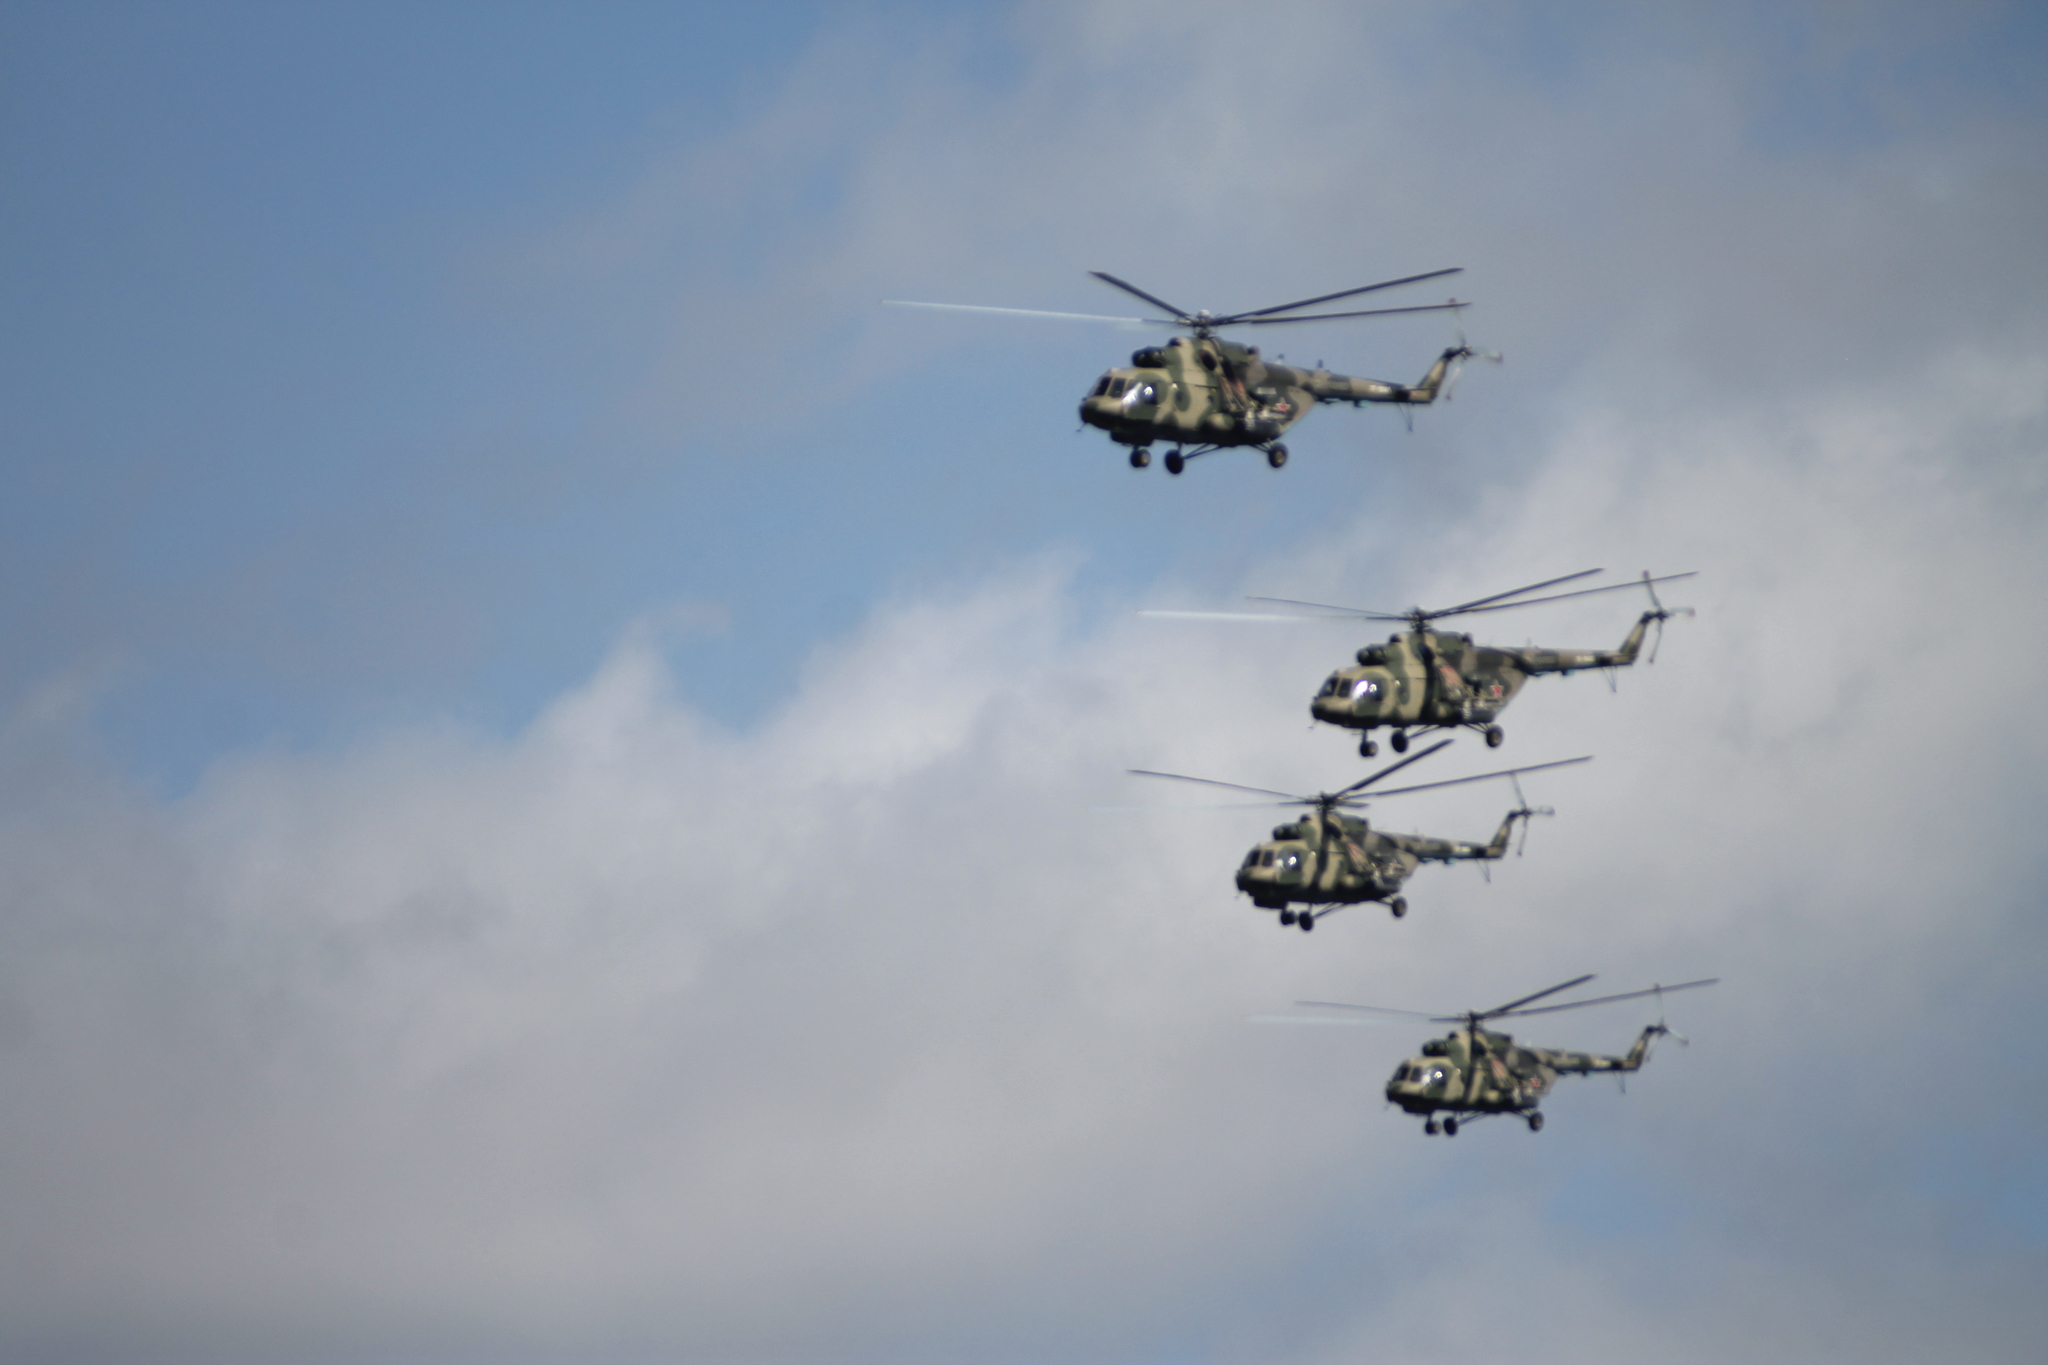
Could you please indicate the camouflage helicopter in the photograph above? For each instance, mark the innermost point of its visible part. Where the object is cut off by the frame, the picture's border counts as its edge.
(1204, 394)
(1476, 1073)
(1428, 679)
(1325, 861)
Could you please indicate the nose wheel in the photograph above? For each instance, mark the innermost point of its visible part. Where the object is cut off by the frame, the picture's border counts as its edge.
(1399, 740)
(1286, 919)
(1306, 920)
(1175, 462)
(1366, 748)
(1140, 458)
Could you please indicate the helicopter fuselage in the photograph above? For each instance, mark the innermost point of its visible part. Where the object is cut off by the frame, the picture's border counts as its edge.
(1428, 679)
(1477, 1071)
(1205, 392)
(1329, 859)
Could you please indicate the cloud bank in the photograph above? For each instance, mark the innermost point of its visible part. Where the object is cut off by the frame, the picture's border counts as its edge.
(901, 1025)
(873, 1033)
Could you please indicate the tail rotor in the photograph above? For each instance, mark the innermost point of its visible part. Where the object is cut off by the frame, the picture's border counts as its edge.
(1660, 614)
(1463, 353)
(1524, 811)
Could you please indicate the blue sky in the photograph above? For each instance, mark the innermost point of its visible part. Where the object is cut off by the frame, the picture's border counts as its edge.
(558, 764)
(322, 416)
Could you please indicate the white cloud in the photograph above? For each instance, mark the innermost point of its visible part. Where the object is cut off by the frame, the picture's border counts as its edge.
(866, 1032)
(871, 1031)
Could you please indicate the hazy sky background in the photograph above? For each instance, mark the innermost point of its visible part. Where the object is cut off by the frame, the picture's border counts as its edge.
(560, 768)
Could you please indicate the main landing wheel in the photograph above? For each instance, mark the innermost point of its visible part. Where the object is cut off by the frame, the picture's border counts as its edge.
(1494, 736)
(1399, 739)
(1535, 1123)
(1366, 748)
(1276, 456)
(1307, 921)
(1399, 905)
(1287, 919)
(1140, 458)
(1450, 1127)
(1175, 462)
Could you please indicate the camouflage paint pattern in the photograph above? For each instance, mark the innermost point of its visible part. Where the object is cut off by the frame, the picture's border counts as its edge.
(1204, 391)
(1329, 859)
(1431, 679)
(1476, 1071)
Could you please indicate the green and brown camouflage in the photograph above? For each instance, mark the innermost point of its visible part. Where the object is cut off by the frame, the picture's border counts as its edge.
(1476, 1072)
(1325, 859)
(1201, 393)
(1430, 679)
(1207, 393)
(1424, 678)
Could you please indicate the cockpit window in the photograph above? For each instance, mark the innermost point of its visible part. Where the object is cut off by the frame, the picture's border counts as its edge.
(1101, 387)
(1330, 686)
(1117, 386)
(1364, 687)
(1251, 859)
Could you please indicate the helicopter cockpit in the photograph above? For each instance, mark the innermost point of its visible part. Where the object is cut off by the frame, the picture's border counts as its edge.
(1350, 694)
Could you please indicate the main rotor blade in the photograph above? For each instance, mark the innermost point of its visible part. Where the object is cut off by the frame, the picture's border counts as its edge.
(1212, 782)
(1233, 616)
(1368, 1009)
(1346, 293)
(1512, 1004)
(1605, 999)
(1504, 772)
(1392, 768)
(1324, 606)
(1546, 583)
(1031, 313)
(1310, 1019)
(1559, 597)
(1179, 314)
(1324, 317)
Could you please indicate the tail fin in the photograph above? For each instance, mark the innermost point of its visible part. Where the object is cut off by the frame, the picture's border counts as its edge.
(1640, 1053)
(1633, 645)
(1431, 384)
(1498, 848)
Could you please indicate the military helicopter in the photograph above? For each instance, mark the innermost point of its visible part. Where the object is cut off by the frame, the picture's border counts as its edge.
(1476, 1073)
(1205, 394)
(1329, 860)
(1428, 679)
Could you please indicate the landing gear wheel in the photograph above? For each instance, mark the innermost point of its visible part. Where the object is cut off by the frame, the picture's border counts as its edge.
(1450, 1127)
(1429, 1128)
(1399, 905)
(1276, 456)
(1307, 921)
(1175, 462)
(1399, 739)
(1287, 919)
(1140, 458)
(1366, 748)
(1494, 735)
(1535, 1123)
